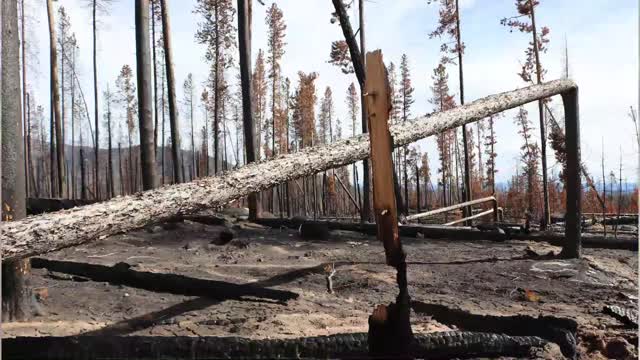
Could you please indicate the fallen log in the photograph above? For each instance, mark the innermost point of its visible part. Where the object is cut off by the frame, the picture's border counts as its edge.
(122, 274)
(441, 345)
(468, 233)
(49, 232)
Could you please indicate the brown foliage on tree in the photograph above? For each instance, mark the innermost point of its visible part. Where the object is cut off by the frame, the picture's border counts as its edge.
(259, 89)
(304, 117)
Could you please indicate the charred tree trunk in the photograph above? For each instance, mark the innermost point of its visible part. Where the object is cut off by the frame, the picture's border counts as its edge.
(72, 177)
(112, 192)
(95, 105)
(143, 62)
(155, 81)
(55, 91)
(465, 144)
(15, 293)
(244, 38)
(83, 176)
(173, 107)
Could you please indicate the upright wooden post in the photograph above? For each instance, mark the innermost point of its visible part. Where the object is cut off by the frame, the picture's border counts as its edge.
(389, 326)
(384, 201)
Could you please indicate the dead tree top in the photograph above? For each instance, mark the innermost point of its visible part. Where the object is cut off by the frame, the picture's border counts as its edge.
(49, 232)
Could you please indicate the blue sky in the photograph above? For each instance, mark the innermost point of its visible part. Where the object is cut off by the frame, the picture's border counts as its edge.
(602, 37)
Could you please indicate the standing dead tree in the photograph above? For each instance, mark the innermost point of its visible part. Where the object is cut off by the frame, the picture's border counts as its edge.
(15, 294)
(357, 61)
(49, 232)
(55, 100)
(171, 85)
(244, 38)
(143, 67)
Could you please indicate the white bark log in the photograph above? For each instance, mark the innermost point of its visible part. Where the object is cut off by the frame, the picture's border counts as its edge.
(44, 233)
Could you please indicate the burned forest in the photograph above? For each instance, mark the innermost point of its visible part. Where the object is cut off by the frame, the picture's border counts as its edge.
(357, 179)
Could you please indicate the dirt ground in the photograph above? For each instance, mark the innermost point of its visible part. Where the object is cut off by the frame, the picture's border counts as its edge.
(479, 277)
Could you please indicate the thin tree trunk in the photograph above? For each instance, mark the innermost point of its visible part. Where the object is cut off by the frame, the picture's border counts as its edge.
(543, 137)
(32, 172)
(72, 179)
(163, 130)
(143, 62)
(55, 90)
(155, 80)
(417, 189)
(366, 208)
(110, 148)
(467, 168)
(244, 38)
(25, 103)
(15, 294)
(193, 143)
(95, 105)
(604, 194)
(83, 176)
(121, 172)
(173, 108)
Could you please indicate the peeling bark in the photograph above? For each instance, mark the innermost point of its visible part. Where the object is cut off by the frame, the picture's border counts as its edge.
(41, 234)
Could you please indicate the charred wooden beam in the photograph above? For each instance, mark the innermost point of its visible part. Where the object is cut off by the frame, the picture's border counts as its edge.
(561, 331)
(441, 345)
(49, 232)
(36, 206)
(122, 274)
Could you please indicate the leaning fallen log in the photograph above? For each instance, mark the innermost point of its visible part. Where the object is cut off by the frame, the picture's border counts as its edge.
(41, 234)
(442, 345)
(467, 233)
(122, 274)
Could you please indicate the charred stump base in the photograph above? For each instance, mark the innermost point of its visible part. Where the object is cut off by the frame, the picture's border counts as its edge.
(390, 332)
(15, 292)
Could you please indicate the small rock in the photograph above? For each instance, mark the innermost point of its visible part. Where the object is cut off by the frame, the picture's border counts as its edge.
(223, 237)
(419, 235)
(234, 329)
(126, 295)
(619, 348)
(259, 260)
(313, 231)
(170, 225)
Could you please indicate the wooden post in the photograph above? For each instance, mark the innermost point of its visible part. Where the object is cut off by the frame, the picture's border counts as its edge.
(383, 196)
(389, 326)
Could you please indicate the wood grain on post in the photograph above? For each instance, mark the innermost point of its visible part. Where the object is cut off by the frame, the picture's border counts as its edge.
(384, 200)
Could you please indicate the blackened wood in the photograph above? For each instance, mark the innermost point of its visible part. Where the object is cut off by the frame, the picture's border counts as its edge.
(573, 225)
(55, 99)
(122, 274)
